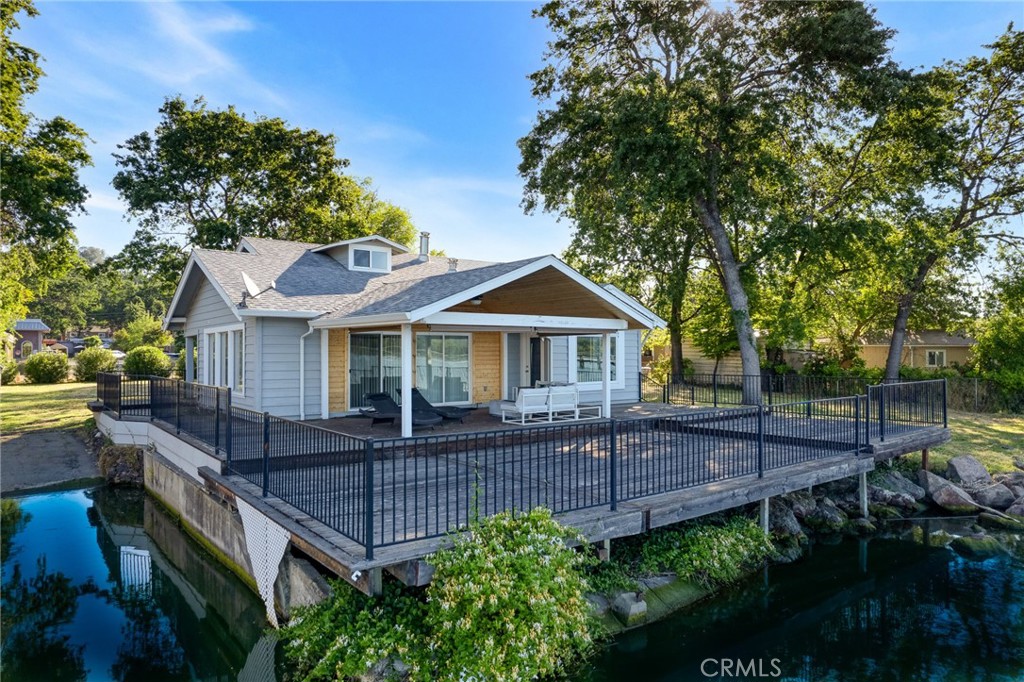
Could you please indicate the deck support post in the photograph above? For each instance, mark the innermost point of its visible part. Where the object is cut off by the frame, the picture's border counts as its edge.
(606, 373)
(864, 494)
(924, 459)
(604, 550)
(375, 581)
(765, 520)
(407, 380)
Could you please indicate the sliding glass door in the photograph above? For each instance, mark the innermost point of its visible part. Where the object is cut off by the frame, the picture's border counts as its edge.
(442, 367)
(375, 366)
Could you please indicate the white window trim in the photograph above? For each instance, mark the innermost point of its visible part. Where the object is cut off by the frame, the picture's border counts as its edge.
(937, 352)
(469, 378)
(352, 258)
(620, 353)
(208, 369)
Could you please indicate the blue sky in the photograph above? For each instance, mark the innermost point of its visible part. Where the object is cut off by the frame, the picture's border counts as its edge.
(428, 99)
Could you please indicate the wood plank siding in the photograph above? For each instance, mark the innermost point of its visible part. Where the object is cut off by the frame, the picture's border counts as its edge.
(337, 367)
(485, 359)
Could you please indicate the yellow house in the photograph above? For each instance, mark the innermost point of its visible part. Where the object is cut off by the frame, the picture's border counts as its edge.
(931, 349)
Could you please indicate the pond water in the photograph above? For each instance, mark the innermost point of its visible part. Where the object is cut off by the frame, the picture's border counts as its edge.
(101, 584)
(884, 610)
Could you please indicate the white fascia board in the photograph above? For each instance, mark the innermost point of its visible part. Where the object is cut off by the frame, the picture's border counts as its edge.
(529, 269)
(178, 289)
(194, 261)
(636, 306)
(525, 321)
(295, 314)
(362, 321)
(395, 246)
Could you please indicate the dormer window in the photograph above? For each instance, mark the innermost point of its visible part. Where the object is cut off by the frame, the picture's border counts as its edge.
(369, 258)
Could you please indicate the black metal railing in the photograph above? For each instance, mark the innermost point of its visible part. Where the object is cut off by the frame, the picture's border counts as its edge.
(389, 491)
(728, 389)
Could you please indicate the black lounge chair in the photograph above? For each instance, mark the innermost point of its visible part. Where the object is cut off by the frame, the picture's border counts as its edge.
(385, 409)
(419, 403)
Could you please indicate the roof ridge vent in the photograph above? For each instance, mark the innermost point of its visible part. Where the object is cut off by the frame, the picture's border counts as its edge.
(453, 265)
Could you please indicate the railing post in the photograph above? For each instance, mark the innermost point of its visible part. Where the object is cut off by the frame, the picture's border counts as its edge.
(216, 420)
(227, 428)
(760, 441)
(368, 499)
(856, 424)
(770, 382)
(613, 474)
(881, 413)
(867, 417)
(152, 402)
(714, 389)
(665, 394)
(266, 453)
(177, 407)
(945, 405)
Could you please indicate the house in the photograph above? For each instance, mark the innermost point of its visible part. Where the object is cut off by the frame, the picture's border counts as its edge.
(930, 348)
(307, 330)
(29, 333)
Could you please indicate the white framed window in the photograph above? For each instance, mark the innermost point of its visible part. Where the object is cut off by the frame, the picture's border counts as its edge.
(369, 258)
(443, 367)
(586, 360)
(935, 358)
(223, 357)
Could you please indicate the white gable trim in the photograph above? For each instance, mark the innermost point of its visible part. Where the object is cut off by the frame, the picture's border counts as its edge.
(193, 261)
(395, 246)
(636, 306)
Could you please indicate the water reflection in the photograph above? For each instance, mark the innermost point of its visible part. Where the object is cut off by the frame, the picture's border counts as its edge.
(884, 610)
(102, 585)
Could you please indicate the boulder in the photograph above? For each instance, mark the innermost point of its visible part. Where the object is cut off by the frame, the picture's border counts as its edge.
(968, 471)
(803, 503)
(898, 483)
(976, 547)
(954, 499)
(930, 482)
(629, 608)
(997, 496)
(861, 527)
(877, 495)
(826, 517)
(782, 521)
(999, 522)
(1017, 508)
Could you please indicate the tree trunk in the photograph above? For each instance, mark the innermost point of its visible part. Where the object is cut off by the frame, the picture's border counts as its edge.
(679, 282)
(903, 308)
(707, 213)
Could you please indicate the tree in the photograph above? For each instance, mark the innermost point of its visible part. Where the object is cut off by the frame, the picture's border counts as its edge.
(143, 329)
(693, 100)
(70, 302)
(206, 178)
(39, 188)
(973, 180)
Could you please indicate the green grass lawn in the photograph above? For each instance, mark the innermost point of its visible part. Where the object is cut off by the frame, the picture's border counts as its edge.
(994, 439)
(38, 407)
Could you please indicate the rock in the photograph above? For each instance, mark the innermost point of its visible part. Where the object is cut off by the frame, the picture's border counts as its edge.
(1017, 490)
(782, 520)
(968, 471)
(884, 511)
(997, 496)
(826, 518)
(657, 581)
(861, 526)
(803, 503)
(976, 547)
(787, 549)
(1018, 462)
(877, 495)
(897, 482)
(930, 482)
(598, 605)
(953, 499)
(940, 538)
(992, 521)
(629, 608)
(1017, 508)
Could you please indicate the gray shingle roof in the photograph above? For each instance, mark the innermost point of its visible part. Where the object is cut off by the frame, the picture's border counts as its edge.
(306, 281)
(929, 337)
(32, 324)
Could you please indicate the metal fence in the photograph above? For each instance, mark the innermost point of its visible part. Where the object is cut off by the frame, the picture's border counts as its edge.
(728, 389)
(972, 394)
(389, 491)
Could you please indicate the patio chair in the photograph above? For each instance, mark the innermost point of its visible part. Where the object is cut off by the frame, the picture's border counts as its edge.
(421, 404)
(383, 408)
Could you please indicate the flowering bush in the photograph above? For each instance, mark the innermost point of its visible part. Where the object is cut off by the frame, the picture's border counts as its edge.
(507, 601)
(709, 555)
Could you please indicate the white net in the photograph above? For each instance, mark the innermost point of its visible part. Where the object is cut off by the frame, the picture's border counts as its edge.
(266, 542)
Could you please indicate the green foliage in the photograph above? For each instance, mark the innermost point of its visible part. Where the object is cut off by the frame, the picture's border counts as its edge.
(708, 555)
(12, 520)
(144, 330)
(179, 363)
(68, 302)
(92, 342)
(610, 577)
(507, 601)
(46, 368)
(1000, 346)
(147, 361)
(92, 361)
(8, 371)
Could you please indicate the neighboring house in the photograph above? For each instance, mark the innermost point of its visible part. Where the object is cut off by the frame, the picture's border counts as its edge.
(29, 337)
(306, 330)
(930, 348)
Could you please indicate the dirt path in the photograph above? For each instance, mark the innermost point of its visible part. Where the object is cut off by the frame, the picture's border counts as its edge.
(43, 458)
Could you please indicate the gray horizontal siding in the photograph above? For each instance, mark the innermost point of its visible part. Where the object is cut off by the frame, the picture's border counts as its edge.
(630, 393)
(279, 368)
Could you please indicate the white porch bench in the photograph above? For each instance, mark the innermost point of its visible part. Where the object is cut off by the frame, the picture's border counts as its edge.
(546, 405)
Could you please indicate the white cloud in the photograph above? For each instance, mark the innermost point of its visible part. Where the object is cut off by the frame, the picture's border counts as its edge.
(101, 201)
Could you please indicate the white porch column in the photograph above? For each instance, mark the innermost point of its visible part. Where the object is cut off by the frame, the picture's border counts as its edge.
(606, 375)
(325, 375)
(190, 368)
(407, 351)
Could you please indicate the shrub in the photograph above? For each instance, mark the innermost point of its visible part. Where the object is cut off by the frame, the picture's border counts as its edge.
(46, 368)
(8, 371)
(92, 342)
(507, 601)
(179, 364)
(147, 360)
(92, 361)
(144, 330)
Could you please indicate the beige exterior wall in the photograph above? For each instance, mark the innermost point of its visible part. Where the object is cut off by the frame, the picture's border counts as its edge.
(914, 356)
(730, 364)
(485, 364)
(337, 367)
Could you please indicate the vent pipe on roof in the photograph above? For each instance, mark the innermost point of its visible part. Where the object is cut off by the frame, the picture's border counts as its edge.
(453, 265)
(424, 246)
